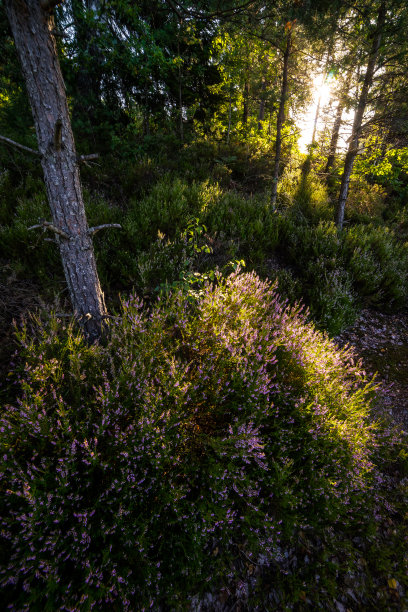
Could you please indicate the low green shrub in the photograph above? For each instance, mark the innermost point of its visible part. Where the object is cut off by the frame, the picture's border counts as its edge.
(321, 259)
(340, 272)
(312, 199)
(365, 201)
(165, 208)
(249, 221)
(378, 263)
(33, 253)
(289, 286)
(134, 473)
(330, 295)
(317, 256)
(304, 242)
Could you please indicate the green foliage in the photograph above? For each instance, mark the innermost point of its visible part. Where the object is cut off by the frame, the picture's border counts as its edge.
(339, 272)
(132, 473)
(365, 202)
(378, 264)
(311, 198)
(333, 273)
(316, 252)
(26, 250)
(388, 169)
(330, 295)
(249, 221)
(289, 286)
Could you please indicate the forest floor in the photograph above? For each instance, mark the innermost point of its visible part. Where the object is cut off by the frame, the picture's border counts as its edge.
(381, 341)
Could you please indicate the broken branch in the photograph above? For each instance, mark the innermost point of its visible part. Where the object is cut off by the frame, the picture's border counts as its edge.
(19, 146)
(85, 158)
(93, 230)
(52, 228)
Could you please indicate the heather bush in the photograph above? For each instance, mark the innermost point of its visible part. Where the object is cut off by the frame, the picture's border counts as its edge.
(132, 473)
(378, 263)
(316, 252)
(330, 295)
(339, 272)
(249, 221)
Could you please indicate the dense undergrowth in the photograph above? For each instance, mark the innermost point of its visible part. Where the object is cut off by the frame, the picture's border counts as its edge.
(217, 445)
(171, 221)
(213, 426)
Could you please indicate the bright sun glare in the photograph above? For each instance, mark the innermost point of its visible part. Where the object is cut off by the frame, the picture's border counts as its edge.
(321, 95)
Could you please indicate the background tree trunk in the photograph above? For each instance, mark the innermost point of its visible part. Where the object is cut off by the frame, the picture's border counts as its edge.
(358, 118)
(261, 113)
(245, 109)
(337, 125)
(281, 118)
(180, 87)
(31, 27)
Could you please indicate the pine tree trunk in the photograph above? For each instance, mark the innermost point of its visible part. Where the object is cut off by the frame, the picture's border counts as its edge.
(358, 119)
(32, 30)
(281, 118)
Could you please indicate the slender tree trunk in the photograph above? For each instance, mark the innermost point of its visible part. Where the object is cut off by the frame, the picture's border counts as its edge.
(358, 118)
(261, 113)
(245, 109)
(180, 90)
(316, 119)
(336, 126)
(335, 136)
(229, 118)
(31, 26)
(281, 118)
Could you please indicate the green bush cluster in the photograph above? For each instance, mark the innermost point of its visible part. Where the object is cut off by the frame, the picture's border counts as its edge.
(340, 272)
(136, 472)
(26, 250)
(334, 273)
(378, 264)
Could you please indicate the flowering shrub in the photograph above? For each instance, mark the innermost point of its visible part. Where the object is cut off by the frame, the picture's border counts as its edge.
(132, 472)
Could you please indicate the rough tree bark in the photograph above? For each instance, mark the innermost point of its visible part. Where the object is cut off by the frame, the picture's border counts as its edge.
(281, 117)
(32, 23)
(358, 117)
